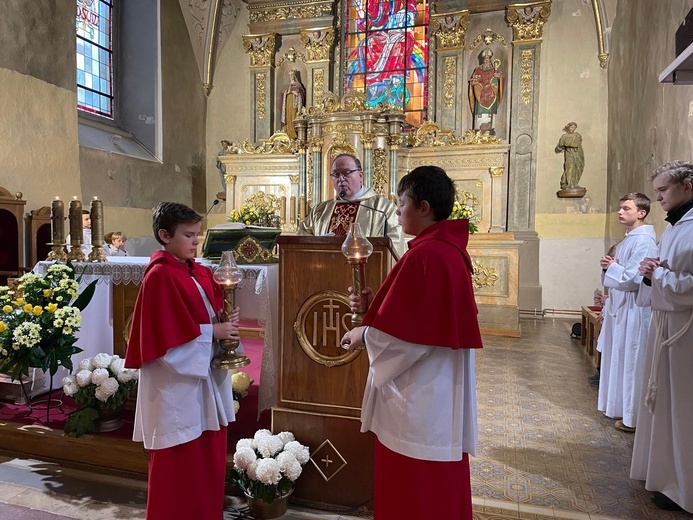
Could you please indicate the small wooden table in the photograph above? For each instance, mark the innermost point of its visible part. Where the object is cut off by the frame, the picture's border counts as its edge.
(591, 327)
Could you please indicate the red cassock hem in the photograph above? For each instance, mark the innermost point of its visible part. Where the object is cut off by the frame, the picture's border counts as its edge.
(187, 481)
(407, 488)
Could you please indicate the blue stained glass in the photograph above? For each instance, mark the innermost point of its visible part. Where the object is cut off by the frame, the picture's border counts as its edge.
(94, 56)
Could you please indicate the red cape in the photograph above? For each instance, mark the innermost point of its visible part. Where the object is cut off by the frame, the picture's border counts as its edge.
(169, 308)
(428, 297)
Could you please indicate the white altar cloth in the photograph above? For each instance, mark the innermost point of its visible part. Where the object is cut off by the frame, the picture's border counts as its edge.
(257, 296)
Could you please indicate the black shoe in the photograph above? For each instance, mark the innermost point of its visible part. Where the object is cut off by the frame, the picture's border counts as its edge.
(664, 502)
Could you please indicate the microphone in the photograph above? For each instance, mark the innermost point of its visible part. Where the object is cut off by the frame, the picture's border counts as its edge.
(340, 198)
(214, 203)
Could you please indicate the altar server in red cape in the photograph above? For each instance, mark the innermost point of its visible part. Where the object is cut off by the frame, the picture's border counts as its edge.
(420, 333)
(183, 404)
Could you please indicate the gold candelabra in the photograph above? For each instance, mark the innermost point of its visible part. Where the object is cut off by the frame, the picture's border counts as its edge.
(75, 216)
(229, 275)
(57, 231)
(96, 210)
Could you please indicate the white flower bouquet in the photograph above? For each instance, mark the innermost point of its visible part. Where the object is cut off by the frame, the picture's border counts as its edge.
(100, 382)
(267, 466)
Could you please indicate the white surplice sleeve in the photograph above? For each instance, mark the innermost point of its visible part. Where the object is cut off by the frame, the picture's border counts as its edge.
(192, 358)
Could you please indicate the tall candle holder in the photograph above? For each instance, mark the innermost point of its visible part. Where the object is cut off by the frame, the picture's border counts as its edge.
(96, 210)
(229, 275)
(76, 254)
(57, 231)
(357, 248)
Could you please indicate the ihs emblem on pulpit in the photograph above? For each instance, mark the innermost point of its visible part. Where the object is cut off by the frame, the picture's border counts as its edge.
(320, 324)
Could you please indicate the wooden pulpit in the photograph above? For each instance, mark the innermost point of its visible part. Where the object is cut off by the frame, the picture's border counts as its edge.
(321, 385)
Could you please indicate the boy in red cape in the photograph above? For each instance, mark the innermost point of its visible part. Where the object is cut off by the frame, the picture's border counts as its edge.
(420, 333)
(183, 404)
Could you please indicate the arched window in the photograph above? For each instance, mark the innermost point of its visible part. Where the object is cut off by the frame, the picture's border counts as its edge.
(386, 50)
(95, 57)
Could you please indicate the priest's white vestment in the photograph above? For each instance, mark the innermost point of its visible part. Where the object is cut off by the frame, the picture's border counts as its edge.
(663, 450)
(624, 333)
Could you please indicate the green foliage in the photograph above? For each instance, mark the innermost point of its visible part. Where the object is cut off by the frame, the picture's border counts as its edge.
(81, 421)
(38, 323)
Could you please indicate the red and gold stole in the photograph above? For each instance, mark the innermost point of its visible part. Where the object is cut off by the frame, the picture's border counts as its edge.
(344, 214)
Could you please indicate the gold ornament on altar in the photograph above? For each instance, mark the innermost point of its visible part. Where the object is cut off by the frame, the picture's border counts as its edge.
(357, 248)
(228, 275)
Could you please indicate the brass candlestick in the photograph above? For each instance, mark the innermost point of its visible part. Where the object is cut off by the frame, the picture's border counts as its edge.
(228, 275)
(57, 231)
(357, 248)
(76, 254)
(96, 210)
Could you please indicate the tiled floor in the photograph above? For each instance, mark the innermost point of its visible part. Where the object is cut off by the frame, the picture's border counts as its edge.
(545, 452)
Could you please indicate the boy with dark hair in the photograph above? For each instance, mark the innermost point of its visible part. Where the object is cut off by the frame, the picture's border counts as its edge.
(183, 404)
(663, 452)
(624, 332)
(420, 332)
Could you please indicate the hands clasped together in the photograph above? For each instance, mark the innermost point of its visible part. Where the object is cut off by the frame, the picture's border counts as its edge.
(353, 338)
(647, 267)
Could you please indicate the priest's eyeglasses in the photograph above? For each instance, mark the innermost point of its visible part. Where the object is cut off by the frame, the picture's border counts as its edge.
(344, 174)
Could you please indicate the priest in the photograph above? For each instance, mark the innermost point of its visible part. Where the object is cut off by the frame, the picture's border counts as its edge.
(353, 202)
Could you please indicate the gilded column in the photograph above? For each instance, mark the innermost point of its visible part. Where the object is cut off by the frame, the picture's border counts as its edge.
(395, 124)
(261, 49)
(527, 22)
(316, 147)
(318, 46)
(368, 140)
(301, 126)
(450, 30)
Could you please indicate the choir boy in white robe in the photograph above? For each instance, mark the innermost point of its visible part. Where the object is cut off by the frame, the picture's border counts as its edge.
(663, 449)
(624, 333)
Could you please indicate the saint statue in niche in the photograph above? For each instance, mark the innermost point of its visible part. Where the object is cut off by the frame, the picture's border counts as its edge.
(486, 91)
(570, 145)
(292, 98)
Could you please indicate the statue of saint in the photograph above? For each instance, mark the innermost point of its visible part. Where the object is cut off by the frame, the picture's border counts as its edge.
(570, 144)
(486, 91)
(220, 165)
(292, 98)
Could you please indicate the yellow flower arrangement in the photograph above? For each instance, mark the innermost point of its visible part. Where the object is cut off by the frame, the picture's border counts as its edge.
(462, 211)
(260, 209)
(39, 321)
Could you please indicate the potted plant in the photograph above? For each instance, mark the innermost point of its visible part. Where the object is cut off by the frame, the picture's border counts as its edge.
(101, 385)
(39, 319)
(266, 468)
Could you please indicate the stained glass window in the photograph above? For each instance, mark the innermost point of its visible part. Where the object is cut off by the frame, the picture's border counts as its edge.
(386, 45)
(95, 56)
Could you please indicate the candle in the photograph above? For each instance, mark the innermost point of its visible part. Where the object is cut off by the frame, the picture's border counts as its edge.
(292, 205)
(75, 222)
(57, 217)
(96, 222)
(282, 211)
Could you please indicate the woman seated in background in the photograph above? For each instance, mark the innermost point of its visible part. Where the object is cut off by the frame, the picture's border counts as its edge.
(115, 244)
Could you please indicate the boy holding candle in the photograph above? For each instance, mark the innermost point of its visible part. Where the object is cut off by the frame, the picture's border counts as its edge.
(183, 404)
(420, 333)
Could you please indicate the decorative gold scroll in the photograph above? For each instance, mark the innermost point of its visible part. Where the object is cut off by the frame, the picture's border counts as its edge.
(318, 83)
(318, 43)
(379, 170)
(260, 95)
(261, 48)
(278, 143)
(526, 75)
(527, 20)
(450, 29)
(430, 134)
(483, 276)
(449, 81)
(289, 10)
(487, 37)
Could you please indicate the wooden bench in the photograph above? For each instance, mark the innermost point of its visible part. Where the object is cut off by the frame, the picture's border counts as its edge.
(589, 332)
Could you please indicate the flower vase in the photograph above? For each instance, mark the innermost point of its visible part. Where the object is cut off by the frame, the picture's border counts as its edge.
(264, 510)
(109, 419)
